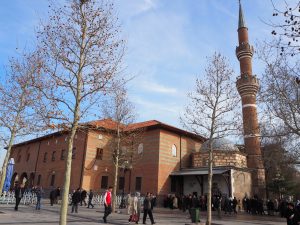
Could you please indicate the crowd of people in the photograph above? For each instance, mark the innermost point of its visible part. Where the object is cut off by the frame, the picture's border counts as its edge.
(253, 205)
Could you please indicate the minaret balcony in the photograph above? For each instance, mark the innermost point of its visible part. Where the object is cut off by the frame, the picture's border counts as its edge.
(247, 85)
(244, 50)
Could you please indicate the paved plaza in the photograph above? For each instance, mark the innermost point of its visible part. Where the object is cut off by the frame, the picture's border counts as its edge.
(50, 215)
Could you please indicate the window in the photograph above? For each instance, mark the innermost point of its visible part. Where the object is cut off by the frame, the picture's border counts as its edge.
(45, 157)
(104, 182)
(99, 153)
(140, 148)
(63, 154)
(174, 150)
(19, 158)
(39, 179)
(121, 183)
(138, 183)
(73, 153)
(173, 184)
(28, 157)
(53, 155)
(52, 180)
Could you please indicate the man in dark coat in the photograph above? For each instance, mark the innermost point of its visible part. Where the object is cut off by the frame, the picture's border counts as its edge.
(57, 197)
(18, 195)
(75, 200)
(53, 196)
(290, 214)
(83, 195)
(91, 195)
(147, 209)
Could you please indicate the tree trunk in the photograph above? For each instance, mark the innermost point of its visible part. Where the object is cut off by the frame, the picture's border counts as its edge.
(117, 154)
(209, 183)
(3, 174)
(65, 193)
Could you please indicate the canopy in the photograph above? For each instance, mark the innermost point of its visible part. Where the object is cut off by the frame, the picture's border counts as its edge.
(9, 174)
(197, 172)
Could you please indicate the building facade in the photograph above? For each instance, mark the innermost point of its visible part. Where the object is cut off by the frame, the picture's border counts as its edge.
(161, 150)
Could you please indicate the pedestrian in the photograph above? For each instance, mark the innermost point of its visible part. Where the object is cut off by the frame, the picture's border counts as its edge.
(57, 196)
(153, 201)
(175, 203)
(147, 209)
(219, 206)
(83, 195)
(38, 192)
(75, 200)
(129, 204)
(234, 205)
(91, 195)
(53, 195)
(107, 204)
(290, 214)
(18, 195)
(136, 209)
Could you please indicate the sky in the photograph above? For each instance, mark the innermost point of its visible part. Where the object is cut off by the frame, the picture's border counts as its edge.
(167, 44)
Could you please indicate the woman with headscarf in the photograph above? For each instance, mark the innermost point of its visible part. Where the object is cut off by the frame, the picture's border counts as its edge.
(129, 204)
(136, 209)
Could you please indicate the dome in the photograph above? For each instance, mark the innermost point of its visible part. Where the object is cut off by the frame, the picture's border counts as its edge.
(221, 144)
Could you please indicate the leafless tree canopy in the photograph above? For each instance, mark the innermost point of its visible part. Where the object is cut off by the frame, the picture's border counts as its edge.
(212, 104)
(82, 50)
(288, 28)
(17, 100)
(280, 93)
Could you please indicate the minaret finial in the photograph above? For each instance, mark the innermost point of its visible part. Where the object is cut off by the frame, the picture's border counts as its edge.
(241, 16)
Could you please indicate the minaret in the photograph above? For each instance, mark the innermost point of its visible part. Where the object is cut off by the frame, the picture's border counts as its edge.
(247, 85)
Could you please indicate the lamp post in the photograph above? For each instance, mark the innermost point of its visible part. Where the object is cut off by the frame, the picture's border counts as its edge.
(278, 180)
(125, 166)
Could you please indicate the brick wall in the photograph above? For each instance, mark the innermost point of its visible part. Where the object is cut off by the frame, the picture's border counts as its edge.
(221, 158)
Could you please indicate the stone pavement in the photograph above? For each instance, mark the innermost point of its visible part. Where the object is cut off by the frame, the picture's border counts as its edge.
(50, 215)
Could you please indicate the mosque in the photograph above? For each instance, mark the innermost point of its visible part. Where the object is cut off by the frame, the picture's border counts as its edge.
(165, 160)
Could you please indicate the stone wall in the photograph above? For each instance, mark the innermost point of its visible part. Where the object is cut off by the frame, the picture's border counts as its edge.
(220, 158)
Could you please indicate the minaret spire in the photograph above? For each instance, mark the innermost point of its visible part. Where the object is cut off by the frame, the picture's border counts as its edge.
(248, 84)
(241, 17)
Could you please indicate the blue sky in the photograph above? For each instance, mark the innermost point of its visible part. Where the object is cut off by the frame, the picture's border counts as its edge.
(167, 43)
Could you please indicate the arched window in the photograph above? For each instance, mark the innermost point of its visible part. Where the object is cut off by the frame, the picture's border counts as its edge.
(174, 150)
(45, 157)
(140, 148)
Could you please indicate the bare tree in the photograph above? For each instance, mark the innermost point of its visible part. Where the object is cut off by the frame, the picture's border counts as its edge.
(287, 29)
(82, 50)
(123, 138)
(211, 109)
(280, 93)
(17, 99)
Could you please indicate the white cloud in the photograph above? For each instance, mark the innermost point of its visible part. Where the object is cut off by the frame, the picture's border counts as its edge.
(155, 87)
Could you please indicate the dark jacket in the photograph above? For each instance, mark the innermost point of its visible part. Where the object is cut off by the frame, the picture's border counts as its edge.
(83, 194)
(19, 192)
(91, 195)
(147, 203)
(76, 197)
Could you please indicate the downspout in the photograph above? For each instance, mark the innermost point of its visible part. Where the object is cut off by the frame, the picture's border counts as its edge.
(83, 160)
(180, 166)
(37, 158)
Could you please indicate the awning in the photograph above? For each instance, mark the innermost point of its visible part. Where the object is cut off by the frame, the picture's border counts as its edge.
(197, 172)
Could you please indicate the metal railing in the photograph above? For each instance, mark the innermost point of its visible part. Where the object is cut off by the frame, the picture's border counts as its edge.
(30, 198)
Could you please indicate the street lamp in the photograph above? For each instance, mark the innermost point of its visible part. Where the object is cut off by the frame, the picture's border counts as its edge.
(126, 166)
(278, 179)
